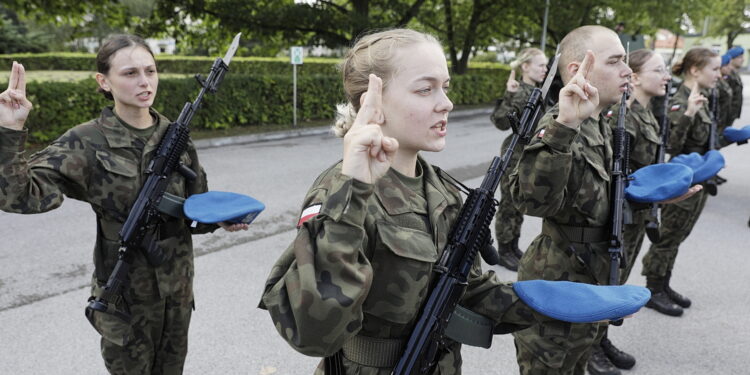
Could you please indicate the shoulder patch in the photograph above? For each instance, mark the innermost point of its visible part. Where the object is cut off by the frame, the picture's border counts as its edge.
(309, 213)
(674, 107)
(609, 114)
(540, 134)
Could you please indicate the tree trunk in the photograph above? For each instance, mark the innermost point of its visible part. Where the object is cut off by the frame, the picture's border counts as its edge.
(471, 32)
(451, 36)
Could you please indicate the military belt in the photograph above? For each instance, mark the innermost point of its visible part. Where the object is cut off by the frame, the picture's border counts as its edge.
(576, 234)
(373, 352)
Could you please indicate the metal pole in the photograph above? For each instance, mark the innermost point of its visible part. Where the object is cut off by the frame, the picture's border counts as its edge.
(294, 100)
(544, 25)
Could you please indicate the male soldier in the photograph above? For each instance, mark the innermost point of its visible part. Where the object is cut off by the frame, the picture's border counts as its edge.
(564, 177)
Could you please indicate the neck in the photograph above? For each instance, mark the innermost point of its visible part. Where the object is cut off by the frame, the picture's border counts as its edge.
(528, 80)
(138, 118)
(641, 96)
(405, 162)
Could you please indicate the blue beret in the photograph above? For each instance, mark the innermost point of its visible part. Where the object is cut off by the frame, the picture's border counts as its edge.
(658, 182)
(579, 302)
(216, 206)
(725, 59)
(704, 166)
(735, 51)
(737, 135)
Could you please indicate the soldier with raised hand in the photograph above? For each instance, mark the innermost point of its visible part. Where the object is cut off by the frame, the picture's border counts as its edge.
(102, 162)
(564, 177)
(690, 126)
(351, 284)
(508, 219)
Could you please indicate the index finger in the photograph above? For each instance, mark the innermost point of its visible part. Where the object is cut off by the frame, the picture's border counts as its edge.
(512, 76)
(371, 102)
(696, 88)
(588, 62)
(13, 76)
(20, 78)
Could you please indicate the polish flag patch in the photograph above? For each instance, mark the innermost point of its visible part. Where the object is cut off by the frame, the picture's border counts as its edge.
(609, 114)
(674, 108)
(540, 134)
(309, 213)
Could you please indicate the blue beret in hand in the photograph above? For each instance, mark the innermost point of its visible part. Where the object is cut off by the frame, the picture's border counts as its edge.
(704, 166)
(658, 182)
(581, 303)
(217, 206)
(737, 135)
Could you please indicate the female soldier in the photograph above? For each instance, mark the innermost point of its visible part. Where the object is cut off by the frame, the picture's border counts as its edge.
(689, 132)
(508, 219)
(648, 80)
(102, 162)
(351, 284)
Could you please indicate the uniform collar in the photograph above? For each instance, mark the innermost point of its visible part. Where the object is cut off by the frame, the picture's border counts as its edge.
(392, 193)
(118, 136)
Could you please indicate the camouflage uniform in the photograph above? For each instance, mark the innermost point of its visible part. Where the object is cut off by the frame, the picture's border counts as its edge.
(643, 129)
(564, 177)
(102, 162)
(735, 82)
(360, 270)
(686, 135)
(508, 219)
(726, 102)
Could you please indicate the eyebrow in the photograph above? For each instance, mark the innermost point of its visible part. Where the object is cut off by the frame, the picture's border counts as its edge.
(618, 57)
(430, 78)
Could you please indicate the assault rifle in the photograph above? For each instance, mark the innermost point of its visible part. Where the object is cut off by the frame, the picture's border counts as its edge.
(469, 235)
(140, 231)
(711, 185)
(621, 151)
(652, 226)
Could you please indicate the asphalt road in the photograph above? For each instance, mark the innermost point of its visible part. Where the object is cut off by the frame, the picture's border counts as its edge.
(45, 267)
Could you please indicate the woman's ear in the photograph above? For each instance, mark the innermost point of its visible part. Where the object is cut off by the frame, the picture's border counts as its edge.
(635, 79)
(102, 81)
(694, 70)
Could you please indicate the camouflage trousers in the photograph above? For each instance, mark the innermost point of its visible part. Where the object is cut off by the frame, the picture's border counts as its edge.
(558, 347)
(677, 221)
(508, 219)
(159, 346)
(633, 241)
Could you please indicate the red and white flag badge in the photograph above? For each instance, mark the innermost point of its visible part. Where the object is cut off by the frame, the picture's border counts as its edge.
(609, 114)
(540, 134)
(674, 107)
(309, 213)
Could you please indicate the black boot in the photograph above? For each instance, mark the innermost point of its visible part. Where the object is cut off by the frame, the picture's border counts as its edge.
(507, 256)
(599, 364)
(516, 249)
(676, 297)
(618, 358)
(720, 180)
(660, 301)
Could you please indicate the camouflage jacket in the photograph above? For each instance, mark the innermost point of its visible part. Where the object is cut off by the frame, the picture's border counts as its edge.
(511, 102)
(735, 82)
(362, 267)
(563, 174)
(687, 134)
(101, 162)
(643, 129)
(726, 101)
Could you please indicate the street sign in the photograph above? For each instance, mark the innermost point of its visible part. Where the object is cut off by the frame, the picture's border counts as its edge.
(296, 55)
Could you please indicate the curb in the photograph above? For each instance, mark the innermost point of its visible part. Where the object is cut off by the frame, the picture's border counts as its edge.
(295, 133)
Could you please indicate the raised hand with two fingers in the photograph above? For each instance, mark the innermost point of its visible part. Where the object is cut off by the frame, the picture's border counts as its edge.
(578, 99)
(368, 153)
(512, 85)
(695, 100)
(14, 107)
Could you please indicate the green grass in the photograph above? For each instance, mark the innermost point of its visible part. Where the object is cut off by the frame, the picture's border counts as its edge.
(67, 75)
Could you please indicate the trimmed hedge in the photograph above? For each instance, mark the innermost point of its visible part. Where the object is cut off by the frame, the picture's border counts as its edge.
(198, 64)
(242, 100)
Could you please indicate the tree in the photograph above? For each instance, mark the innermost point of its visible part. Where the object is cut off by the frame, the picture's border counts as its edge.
(729, 18)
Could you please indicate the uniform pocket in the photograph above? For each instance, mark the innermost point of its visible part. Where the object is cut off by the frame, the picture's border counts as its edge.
(402, 264)
(117, 164)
